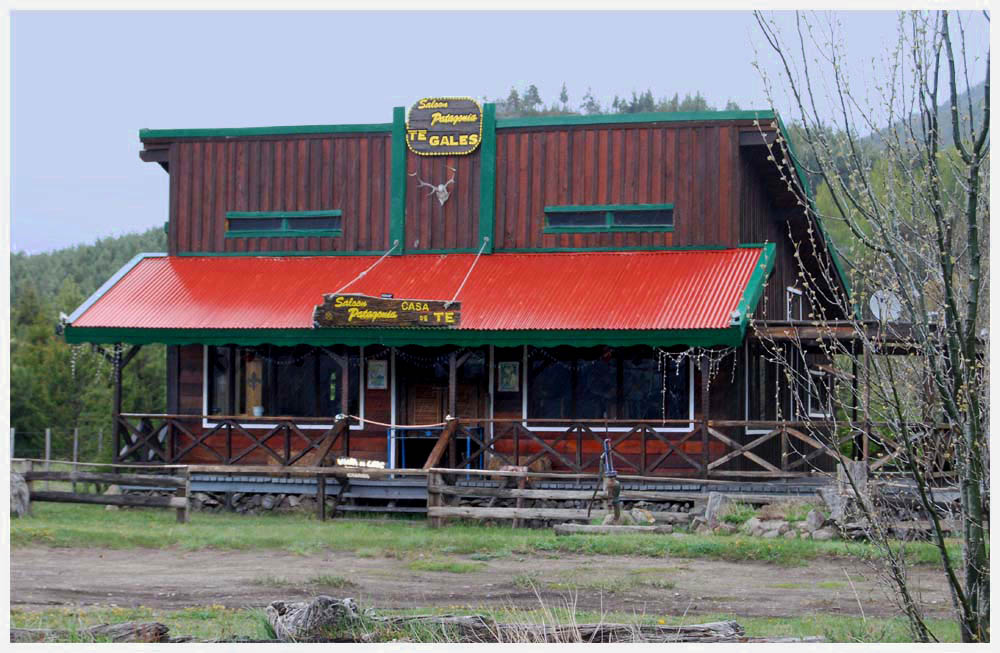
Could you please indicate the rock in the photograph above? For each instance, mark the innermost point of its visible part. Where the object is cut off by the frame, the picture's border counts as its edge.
(20, 497)
(725, 529)
(642, 517)
(771, 534)
(319, 618)
(293, 500)
(779, 525)
(824, 534)
(703, 529)
(814, 520)
(791, 535)
(751, 525)
(267, 503)
(714, 507)
(112, 490)
(836, 502)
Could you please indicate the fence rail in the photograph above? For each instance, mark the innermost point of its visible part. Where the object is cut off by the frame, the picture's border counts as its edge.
(702, 448)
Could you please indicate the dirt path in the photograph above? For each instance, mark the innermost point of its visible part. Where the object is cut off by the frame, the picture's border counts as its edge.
(168, 579)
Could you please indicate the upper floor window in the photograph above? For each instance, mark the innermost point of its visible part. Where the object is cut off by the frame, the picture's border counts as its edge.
(609, 217)
(284, 224)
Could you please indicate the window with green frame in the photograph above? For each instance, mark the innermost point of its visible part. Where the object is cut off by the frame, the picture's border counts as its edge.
(284, 224)
(609, 217)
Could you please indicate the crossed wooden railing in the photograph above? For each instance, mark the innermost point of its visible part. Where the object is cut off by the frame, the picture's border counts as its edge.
(704, 448)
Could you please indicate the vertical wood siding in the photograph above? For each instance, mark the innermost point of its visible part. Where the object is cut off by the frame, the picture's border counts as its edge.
(691, 166)
(211, 177)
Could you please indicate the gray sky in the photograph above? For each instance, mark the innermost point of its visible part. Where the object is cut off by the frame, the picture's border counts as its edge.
(83, 84)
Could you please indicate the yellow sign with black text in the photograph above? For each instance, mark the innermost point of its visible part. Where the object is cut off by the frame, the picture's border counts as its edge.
(444, 126)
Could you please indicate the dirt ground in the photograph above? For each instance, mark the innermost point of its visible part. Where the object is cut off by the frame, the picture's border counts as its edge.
(172, 579)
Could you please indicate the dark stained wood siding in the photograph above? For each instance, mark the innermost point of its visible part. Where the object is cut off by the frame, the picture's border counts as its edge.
(455, 225)
(691, 165)
(346, 172)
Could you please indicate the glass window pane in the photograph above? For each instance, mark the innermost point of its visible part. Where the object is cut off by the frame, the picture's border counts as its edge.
(597, 386)
(314, 223)
(641, 383)
(579, 219)
(332, 382)
(294, 373)
(677, 390)
(659, 218)
(549, 388)
(254, 224)
(220, 377)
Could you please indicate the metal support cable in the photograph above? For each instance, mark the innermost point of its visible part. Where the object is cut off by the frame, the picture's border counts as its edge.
(395, 244)
(486, 240)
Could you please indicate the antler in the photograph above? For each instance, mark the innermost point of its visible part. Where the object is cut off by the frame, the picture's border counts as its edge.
(452, 180)
(421, 183)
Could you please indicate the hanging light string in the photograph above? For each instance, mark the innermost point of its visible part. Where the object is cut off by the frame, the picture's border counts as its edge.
(486, 241)
(395, 244)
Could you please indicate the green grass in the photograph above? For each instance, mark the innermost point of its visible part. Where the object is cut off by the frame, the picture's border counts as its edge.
(324, 581)
(450, 566)
(738, 513)
(219, 622)
(68, 525)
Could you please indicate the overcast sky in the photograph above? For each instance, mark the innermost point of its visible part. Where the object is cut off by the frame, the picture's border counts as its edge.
(83, 84)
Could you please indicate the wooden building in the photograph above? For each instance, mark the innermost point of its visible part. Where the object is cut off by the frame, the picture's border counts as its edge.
(521, 289)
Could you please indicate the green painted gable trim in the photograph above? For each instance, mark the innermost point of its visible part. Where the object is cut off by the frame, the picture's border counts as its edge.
(632, 118)
(397, 205)
(237, 132)
(731, 337)
(488, 177)
(755, 286)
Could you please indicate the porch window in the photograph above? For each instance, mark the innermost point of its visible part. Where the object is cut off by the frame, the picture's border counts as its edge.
(606, 383)
(818, 395)
(298, 381)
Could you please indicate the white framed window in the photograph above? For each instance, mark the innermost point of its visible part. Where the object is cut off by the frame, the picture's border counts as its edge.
(625, 383)
(794, 301)
(818, 395)
(286, 381)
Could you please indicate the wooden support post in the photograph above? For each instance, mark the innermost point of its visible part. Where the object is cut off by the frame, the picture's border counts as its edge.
(12, 433)
(76, 451)
(705, 415)
(521, 482)
(446, 436)
(116, 408)
(183, 514)
(48, 453)
(452, 383)
(784, 449)
(517, 460)
(321, 496)
(435, 499)
(579, 452)
(642, 452)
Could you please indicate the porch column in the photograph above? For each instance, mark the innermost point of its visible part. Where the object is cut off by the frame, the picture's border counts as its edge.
(705, 414)
(116, 409)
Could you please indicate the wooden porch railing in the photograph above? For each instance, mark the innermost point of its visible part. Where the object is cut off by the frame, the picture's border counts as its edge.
(796, 449)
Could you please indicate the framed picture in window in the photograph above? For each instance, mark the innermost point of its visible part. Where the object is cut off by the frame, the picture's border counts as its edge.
(508, 374)
(378, 375)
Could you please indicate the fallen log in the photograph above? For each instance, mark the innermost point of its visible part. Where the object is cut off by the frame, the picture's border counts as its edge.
(130, 631)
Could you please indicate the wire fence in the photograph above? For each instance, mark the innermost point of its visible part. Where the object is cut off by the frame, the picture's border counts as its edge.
(91, 445)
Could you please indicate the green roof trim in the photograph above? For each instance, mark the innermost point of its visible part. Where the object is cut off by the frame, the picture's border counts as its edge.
(731, 336)
(632, 118)
(755, 286)
(238, 132)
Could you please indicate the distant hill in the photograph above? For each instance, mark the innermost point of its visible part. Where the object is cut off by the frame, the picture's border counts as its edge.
(87, 266)
(978, 96)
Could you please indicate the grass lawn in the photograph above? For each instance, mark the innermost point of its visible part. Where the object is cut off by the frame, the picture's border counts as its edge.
(68, 525)
(218, 622)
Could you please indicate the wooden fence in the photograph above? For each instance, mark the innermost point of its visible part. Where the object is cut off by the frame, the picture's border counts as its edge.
(178, 481)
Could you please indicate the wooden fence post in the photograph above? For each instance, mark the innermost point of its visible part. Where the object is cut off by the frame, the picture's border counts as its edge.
(183, 514)
(435, 499)
(321, 496)
(76, 452)
(12, 432)
(48, 453)
(100, 441)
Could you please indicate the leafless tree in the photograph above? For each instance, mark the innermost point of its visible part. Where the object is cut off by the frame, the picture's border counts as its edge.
(902, 164)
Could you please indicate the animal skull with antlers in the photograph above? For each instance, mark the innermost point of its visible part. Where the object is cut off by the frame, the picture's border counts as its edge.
(441, 190)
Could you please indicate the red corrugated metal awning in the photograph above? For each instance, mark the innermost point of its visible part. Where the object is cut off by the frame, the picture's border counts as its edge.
(647, 291)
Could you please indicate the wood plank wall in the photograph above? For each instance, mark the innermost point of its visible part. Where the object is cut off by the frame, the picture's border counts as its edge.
(455, 225)
(690, 165)
(346, 172)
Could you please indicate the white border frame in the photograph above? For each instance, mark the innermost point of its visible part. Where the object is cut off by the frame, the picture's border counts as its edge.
(746, 392)
(206, 423)
(810, 397)
(792, 290)
(611, 429)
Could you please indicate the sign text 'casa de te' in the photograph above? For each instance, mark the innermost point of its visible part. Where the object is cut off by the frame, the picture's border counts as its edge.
(365, 311)
(444, 126)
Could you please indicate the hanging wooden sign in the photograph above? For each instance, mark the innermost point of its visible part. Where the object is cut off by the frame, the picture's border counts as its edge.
(444, 126)
(364, 311)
